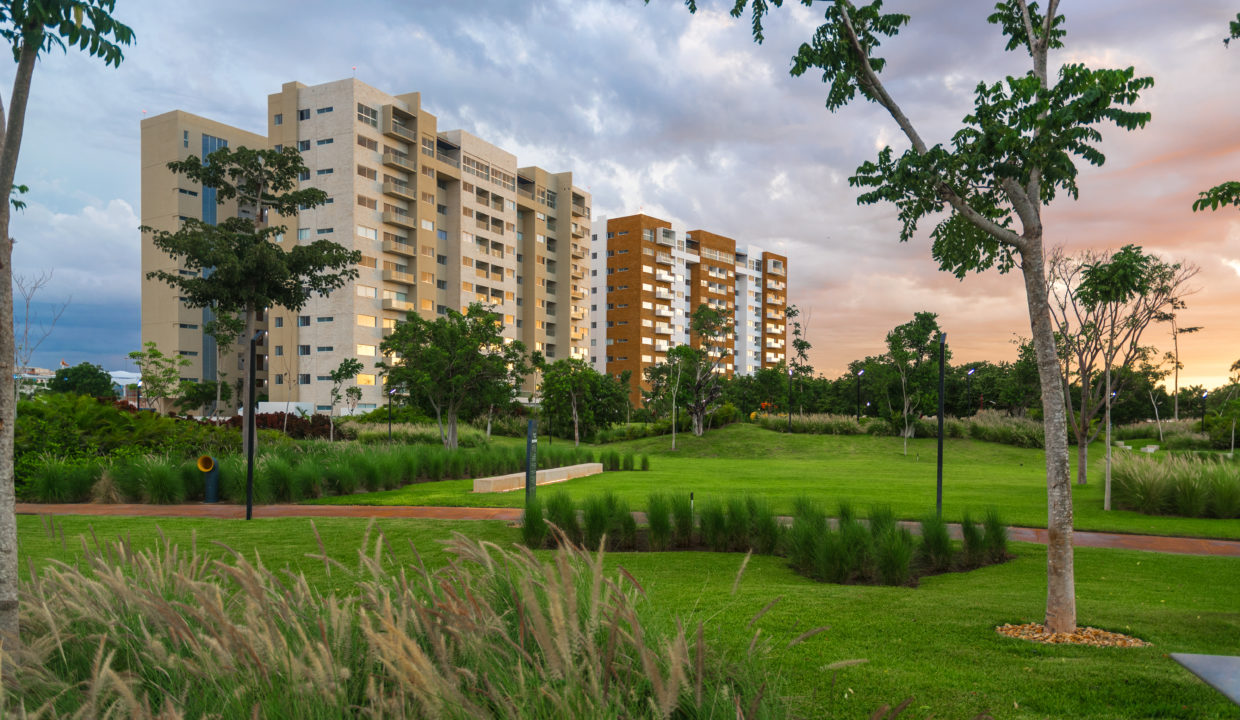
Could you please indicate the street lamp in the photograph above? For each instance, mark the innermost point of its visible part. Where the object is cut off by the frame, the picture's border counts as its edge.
(859, 374)
(1203, 411)
(390, 393)
(789, 398)
(249, 433)
(969, 382)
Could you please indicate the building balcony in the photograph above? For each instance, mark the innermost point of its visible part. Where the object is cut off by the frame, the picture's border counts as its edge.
(578, 251)
(662, 329)
(770, 298)
(399, 190)
(399, 248)
(577, 272)
(448, 160)
(580, 209)
(775, 285)
(664, 276)
(400, 161)
(401, 219)
(663, 259)
(663, 293)
(577, 292)
(661, 346)
(662, 311)
(578, 313)
(772, 343)
(579, 230)
(395, 124)
(663, 237)
(397, 276)
(397, 305)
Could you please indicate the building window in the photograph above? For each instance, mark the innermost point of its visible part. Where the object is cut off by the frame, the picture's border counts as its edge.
(324, 171)
(325, 141)
(367, 143)
(304, 175)
(365, 379)
(185, 138)
(441, 259)
(366, 350)
(279, 322)
(368, 262)
(279, 351)
(303, 321)
(303, 114)
(279, 379)
(441, 234)
(324, 231)
(278, 120)
(303, 349)
(366, 291)
(303, 379)
(303, 233)
(324, 318)
(324, 348)
(369, 203)
(303, 145)
(368, 173)
(322, 110)
(367, 115)
(441, 284)
(366, 320)
(428, 225)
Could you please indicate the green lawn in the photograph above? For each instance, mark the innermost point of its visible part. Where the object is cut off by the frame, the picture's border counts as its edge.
(935, 642)
(744, 458)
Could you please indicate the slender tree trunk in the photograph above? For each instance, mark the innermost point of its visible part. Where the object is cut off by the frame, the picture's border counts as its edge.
(576, 426)
(10, 140)
(1060, 576)
(439, 421)
(490, 411)
(1106, 493)
(1175, 390)
(1157, 420)
(1081, 429)
(452, 442)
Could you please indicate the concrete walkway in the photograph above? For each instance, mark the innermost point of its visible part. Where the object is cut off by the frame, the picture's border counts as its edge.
(1081, 538)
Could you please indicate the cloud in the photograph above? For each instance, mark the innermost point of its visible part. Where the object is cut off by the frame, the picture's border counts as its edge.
(676, 115)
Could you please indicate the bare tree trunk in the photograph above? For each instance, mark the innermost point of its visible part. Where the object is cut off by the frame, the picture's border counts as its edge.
(452, 442)
(1157, 420)
(1175, 388)
(1106, 493)
(1060, 576)
(576, 428)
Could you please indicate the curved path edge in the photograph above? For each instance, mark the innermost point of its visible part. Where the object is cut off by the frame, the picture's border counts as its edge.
(1080, 538)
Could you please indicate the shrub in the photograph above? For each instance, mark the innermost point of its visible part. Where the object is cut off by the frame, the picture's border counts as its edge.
(936, 544)
(1190, 495)
(645, 463)
(1189, 485)
(736, 524)
(597, 516)
(893, 555)
(682, 519)
(621, 527)
(713, 526)
(809, 524)
(1224, 493)
(533, 526)
(628, 461)
(882, 519)
(162, 484)
(309, 479)
(562, 513)
(282, 479)
(856, 547)
(659, 519)
(994, 537)
(971, 537)
(765, 532)
(827, 558)
(60, 481)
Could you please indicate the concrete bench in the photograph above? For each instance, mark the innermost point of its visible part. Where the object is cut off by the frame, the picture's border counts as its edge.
(1149, 449)
(516, 481)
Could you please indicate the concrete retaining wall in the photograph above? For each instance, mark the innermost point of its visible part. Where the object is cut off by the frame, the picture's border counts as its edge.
(516, 481)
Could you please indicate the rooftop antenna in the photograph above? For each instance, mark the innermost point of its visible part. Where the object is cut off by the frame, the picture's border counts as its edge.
(354, 72)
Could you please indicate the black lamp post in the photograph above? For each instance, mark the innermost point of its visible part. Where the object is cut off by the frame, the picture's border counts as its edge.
(859, 374)
(790, 398)
(1203, 411)
(969, 391)
(390, 393)
(249, 414)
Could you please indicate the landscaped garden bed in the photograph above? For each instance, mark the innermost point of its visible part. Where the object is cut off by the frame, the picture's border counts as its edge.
(1184, 485)
(844, 549)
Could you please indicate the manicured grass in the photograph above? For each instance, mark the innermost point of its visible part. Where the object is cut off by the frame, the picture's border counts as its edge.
(868, 471)
(935, 642)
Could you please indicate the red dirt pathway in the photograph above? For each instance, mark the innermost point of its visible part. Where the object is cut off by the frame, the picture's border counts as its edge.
(1149, 543)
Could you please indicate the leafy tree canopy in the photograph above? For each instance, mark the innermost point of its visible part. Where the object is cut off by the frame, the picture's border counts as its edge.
(83, 379)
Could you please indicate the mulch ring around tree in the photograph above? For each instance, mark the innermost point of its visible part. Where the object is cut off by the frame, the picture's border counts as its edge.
(1036, 632)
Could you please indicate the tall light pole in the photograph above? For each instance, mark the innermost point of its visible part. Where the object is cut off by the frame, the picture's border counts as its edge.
(938, 498)
(1203, 410)
(969, 390)
(249, 412)
(859, 374)
(390, 393)
(789, 398)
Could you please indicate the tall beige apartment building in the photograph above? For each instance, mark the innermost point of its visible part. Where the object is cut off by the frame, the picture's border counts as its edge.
(442, 219)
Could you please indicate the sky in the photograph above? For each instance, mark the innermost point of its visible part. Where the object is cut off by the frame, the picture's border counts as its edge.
(658, 111)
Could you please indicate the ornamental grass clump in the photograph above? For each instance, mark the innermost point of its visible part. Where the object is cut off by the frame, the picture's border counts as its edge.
(713, 525)
(562, 513)
(659, 520)
(533, 525)
(893, 555)
(170, 632)
(935, 551)
(971, 542)
(809, 523)
(682, 520)
(994, 537)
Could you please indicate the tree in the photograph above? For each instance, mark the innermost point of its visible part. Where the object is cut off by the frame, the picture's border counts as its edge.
(161, 375)
(239, 265)
(32, 27)
(447, 361)
(344, 372)
(703, 365)
(28, 339)
(986, 188)
(910, 350)
(798, 360)
(593, 401)
(193, 395)
(83, 379)
(225, 329)
(1102, 305)
(1227, 193)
